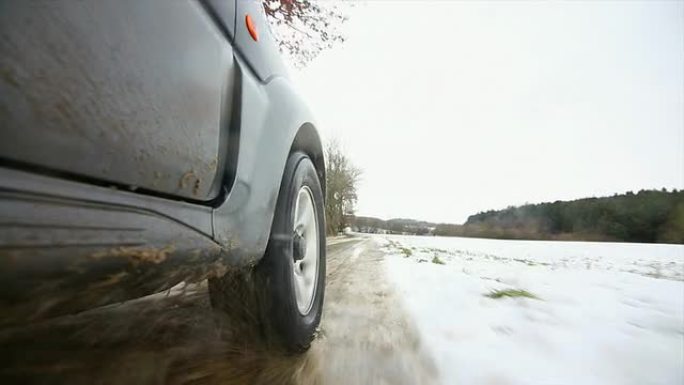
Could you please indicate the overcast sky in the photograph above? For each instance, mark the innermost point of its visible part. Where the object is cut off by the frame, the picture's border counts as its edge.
(453, 107)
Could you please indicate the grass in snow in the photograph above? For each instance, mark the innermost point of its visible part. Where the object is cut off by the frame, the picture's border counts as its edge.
(391, 244)
(434, 250)
(406, 251)
(513, 293)
(438, 261)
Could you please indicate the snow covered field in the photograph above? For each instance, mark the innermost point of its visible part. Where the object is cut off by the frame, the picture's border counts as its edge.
(599, 313)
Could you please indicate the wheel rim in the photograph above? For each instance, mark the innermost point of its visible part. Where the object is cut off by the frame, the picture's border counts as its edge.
(305, 250)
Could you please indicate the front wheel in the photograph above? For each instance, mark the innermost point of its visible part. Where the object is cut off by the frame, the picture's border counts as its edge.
(289, 281)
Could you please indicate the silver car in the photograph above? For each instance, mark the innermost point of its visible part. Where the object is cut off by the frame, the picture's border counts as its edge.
(147, 143)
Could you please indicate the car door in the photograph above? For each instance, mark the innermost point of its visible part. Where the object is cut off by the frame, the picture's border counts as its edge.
(129, 93)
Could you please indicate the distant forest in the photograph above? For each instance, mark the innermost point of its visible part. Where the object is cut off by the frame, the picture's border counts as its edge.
(647, 216)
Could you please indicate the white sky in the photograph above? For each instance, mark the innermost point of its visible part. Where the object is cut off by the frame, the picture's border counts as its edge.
(453, 107)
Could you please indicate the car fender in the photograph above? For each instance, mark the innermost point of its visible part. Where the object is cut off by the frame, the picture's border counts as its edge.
(271, 115)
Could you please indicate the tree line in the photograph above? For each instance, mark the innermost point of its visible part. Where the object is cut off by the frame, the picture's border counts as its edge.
(390, 226)
(646, 216)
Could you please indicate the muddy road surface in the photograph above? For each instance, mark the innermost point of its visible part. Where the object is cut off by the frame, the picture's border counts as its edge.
(172, 338)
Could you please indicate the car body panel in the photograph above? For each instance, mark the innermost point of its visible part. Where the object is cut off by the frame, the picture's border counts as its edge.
(271, 115)
(262, 55)
(224, 12)
(70, 240)
(67, 246)
(134, 93)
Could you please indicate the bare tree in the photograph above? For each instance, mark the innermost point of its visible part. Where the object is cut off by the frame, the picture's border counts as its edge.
(342, 178)
(304, 28)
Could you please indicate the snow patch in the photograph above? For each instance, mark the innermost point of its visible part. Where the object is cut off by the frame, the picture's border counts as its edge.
(605, 313)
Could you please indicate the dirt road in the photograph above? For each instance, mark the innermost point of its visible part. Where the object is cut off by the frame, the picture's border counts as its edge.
(364, 338)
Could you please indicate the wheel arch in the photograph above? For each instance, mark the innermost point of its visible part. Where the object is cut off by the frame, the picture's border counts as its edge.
(308, 141)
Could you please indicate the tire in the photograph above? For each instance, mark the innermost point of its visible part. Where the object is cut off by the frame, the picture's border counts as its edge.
(275, 294)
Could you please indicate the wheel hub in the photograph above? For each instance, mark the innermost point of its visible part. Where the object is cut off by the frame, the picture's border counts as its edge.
(299, 245)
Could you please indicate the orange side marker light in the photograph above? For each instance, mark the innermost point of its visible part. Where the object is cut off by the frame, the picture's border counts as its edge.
(251, 28)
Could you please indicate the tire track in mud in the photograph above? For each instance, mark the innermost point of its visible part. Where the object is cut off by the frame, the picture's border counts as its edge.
(364, 338)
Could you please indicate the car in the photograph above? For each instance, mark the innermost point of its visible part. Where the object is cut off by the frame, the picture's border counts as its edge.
(148, 143)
